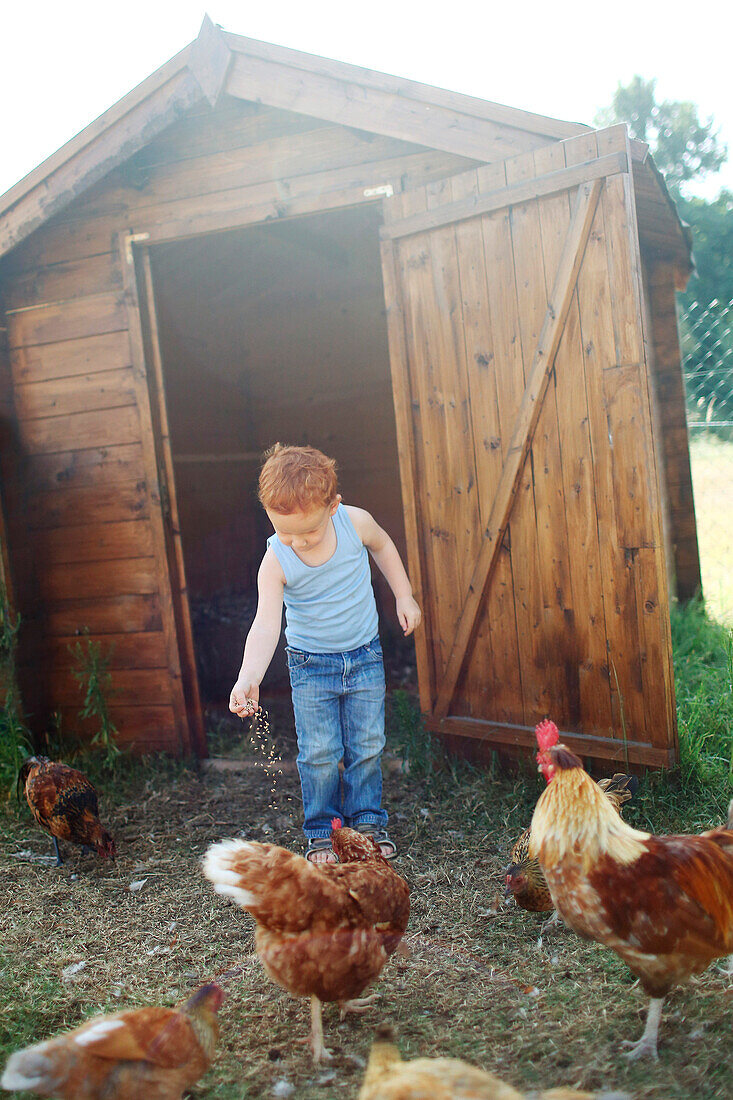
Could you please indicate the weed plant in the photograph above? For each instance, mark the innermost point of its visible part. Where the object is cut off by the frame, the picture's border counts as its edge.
(703, 658)
(93, 674)
(15, 741)
(422, 755)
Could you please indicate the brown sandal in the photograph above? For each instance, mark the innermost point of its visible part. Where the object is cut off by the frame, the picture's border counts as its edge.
(380, 837)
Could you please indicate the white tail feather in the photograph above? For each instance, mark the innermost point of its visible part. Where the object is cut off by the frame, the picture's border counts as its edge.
(218, 869)
(97, 1031)
(245, 898)
(27, 1069)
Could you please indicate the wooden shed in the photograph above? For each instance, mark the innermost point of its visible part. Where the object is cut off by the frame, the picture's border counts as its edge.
(470, 306)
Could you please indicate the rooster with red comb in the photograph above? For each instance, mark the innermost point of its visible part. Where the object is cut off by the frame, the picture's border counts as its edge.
(524, 879)
(323, 930)
(664, 904)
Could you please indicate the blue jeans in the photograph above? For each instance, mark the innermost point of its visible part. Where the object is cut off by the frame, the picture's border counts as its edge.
(338, 700)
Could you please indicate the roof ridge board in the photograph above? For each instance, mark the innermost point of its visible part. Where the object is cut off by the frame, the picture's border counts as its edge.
(428, 93)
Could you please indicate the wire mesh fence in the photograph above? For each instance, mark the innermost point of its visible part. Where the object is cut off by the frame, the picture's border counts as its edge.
(706, 335)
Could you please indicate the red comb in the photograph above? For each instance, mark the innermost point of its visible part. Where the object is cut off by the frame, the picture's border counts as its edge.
(336, 823)
(547, 734)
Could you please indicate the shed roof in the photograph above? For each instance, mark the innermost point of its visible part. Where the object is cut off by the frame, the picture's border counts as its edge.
(217, 62)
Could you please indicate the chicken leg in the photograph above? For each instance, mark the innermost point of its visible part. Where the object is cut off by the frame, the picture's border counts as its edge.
(320, 1054)
(552, 922)
(647, 1045)
(357, 1004)
(727, 967)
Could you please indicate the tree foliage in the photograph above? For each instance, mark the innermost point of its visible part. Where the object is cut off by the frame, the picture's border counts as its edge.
(712, 229)
(686, 149)
(684, 146)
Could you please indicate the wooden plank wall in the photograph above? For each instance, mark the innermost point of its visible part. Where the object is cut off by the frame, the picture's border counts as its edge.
(86, 503)
(7, 442)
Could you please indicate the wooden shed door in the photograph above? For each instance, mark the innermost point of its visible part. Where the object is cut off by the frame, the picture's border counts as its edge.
(526, 451)
(171, 573)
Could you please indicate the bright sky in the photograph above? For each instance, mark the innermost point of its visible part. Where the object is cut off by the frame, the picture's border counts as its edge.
(63, 64)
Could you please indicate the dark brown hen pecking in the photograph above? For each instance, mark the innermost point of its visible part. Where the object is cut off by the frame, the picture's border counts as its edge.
(64, 803)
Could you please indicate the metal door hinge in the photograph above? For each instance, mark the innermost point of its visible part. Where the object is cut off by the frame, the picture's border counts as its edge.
(165, 499)
(387, 190)
(130, 240)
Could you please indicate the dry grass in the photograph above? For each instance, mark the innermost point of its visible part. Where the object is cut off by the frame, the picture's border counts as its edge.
(476, 986)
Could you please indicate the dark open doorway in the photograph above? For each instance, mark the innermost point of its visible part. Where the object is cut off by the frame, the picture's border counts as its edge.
(274, 332)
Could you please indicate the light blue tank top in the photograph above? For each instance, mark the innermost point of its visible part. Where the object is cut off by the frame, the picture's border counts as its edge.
(329, 608)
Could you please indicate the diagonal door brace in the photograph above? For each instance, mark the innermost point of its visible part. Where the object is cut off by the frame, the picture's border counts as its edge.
(584, 208)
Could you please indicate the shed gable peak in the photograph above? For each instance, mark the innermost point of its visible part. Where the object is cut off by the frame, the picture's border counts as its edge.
(218, 62)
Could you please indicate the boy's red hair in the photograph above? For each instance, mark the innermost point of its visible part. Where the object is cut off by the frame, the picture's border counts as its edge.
(296, 479)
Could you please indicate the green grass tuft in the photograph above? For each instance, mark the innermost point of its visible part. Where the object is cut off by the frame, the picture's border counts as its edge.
(696, 794)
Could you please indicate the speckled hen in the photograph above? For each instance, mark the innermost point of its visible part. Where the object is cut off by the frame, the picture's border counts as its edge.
(324, 930)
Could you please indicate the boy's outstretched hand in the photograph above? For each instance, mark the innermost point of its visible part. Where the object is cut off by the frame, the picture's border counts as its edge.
(244, 698)
(409, 614)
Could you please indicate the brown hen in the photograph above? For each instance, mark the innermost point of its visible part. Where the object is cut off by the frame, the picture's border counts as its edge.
(153, 1053)
(324, 930)
(64, 803)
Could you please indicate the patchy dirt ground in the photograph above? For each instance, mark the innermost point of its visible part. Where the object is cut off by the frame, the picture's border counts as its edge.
(93, 936)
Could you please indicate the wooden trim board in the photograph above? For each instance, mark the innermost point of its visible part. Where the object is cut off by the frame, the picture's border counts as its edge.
(526, 190)
(605, 748)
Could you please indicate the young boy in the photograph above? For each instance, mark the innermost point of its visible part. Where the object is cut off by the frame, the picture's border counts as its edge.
(317, 563)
